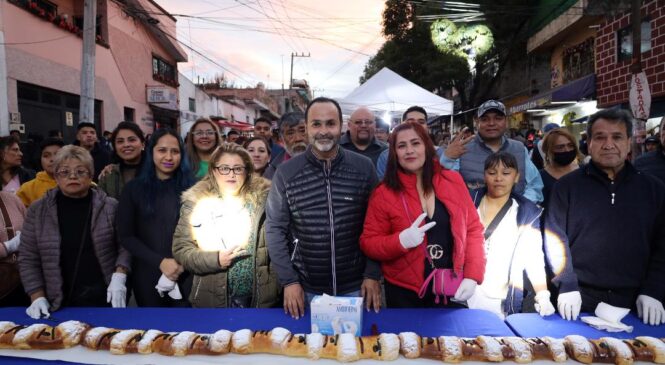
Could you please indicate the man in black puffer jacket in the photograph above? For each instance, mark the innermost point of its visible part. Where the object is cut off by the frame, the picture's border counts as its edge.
(315, 214)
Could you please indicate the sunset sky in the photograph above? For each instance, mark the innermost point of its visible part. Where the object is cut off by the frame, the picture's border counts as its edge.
(254, 40)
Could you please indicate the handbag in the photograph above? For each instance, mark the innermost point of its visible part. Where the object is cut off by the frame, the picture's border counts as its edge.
(11, 279)
(445, 282)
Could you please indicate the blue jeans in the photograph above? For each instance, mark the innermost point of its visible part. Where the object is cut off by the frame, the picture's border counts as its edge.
(309, 296)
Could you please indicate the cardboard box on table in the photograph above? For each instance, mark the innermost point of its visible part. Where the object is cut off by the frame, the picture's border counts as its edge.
(334, 315)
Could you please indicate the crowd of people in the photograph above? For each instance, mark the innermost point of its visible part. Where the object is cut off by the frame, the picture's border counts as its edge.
(399, 221)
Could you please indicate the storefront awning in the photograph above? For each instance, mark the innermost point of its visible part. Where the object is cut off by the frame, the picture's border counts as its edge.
(582, 88)
(240, 126)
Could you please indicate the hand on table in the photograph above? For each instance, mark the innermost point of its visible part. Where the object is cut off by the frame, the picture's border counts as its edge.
(39, 307)
(466, 289)
(294, 300)
(569, 305)
(371, 292)
(413, 236)
(650, 310)
(116, 293)
(543, 304)
(171, 269)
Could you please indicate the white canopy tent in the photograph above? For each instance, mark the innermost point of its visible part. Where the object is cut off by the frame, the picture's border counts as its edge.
(389, 92)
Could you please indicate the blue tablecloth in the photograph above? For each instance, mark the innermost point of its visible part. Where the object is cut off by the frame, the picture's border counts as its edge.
(426, 322)
(533, 325)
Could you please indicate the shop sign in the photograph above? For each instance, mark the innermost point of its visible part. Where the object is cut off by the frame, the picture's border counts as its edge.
(162, 96)
(640, 96)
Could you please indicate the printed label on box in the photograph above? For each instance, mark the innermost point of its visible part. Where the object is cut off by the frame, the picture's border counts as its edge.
(334, 315)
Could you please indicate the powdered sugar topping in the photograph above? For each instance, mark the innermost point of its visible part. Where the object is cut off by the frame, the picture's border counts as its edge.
(314, 345)
(278, 335)
(389, 346)
(219, 341)
(452, 348)
(181, 342)
(23, 335)
(145, 345)
(520, 347)
(347, 349)
(119, 341)
(240, 339)
(72, 330)
(557, 348)
(491, 347)
(580, 345)
(5, 326)
(619, 347)
(410, 348)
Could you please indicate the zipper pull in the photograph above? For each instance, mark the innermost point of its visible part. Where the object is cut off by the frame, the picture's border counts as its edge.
(613, 198)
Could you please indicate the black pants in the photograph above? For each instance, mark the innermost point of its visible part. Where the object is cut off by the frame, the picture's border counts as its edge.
(592, 296)
(398, 297)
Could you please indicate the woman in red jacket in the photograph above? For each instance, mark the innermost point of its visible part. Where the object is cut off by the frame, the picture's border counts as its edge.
(423, 227)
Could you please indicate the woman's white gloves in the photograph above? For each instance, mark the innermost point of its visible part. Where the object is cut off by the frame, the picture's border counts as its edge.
(38, 308)
(12, 244)
(543, 304)
(569, 305)
(466, 289)
(116, 293)
(650, 310)
(413, 236)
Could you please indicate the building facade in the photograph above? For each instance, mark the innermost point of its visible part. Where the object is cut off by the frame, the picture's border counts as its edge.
(136, 75)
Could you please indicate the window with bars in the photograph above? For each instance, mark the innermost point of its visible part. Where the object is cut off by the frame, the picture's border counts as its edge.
(163, 71)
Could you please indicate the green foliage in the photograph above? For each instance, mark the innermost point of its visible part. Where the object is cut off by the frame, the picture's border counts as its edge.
(397, 18)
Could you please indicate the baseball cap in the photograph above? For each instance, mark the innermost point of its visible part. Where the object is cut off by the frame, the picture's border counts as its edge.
(491, 105)
(549, 126)
(652, 139)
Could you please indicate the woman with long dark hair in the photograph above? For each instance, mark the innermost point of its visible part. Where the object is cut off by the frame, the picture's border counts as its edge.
(259, 150)
(422, 226)
(147, 217)
(203, 138)
(128, 143)
(12, 173)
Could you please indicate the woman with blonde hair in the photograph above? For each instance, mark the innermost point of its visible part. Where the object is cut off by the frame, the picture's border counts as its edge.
(561, 157)
(220, 237)
(202, 140)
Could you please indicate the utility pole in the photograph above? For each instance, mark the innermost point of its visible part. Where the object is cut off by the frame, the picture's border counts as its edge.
(642, 92)
(292, 56)
(87, 105)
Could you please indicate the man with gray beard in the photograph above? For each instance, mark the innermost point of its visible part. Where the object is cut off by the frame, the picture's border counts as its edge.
(293, 132)
(360, 138)
(315, 215)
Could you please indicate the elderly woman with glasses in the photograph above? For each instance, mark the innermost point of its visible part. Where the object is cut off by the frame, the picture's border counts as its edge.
(220, 237)
(68, 254)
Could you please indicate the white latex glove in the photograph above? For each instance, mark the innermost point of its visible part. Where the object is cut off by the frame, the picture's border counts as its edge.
(650, 310)
(164, 285)
(38, 308)
(116, 293)
(413, 236)
(569, 305)
(465, 290)
(543, 304)
(12, 244)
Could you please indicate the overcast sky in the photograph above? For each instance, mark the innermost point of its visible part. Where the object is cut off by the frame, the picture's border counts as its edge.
(254, 39)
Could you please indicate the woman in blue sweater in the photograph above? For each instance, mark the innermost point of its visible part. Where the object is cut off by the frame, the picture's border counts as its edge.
(147, 216)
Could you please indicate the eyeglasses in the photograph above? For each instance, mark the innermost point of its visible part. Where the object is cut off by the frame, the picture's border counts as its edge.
(360, 122)
(207, 133)
(225, 170)
(76, 173)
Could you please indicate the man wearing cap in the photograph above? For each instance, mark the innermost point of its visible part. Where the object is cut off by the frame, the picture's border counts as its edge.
(263, 128)
(382, 130)
(293, 132)
(467, 155)
(359, 138)
(86, 137)
(653, 163)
